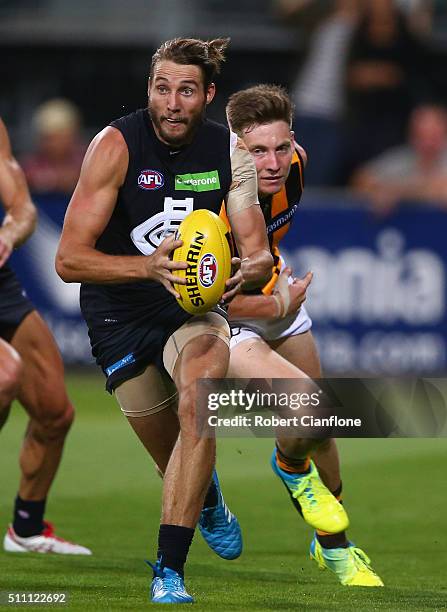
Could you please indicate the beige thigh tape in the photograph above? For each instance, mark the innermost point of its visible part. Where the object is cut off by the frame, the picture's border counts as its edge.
(146, 394)
(209, 323)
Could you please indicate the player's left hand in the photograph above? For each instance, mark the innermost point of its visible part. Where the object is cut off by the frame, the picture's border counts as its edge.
(6, 247)
(297, 292)
(291, 295)
(234, 283)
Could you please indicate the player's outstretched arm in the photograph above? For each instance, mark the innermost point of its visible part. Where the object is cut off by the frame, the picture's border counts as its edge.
(20, 218)
(93, 202)
(248, 227)
(286, 299)
(253, 307)
(247, 224)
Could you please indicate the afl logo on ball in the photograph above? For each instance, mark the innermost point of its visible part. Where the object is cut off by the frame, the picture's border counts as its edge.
(207, 270)
(150, 179)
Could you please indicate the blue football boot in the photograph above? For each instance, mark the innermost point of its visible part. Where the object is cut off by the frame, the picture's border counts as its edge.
(220, 527)
(168, 586)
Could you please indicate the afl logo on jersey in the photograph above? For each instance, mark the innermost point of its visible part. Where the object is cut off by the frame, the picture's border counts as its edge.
(207, 270)
(150, 179)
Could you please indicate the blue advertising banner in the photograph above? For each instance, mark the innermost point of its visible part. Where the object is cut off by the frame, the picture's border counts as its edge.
(379, 291)
(377, 299)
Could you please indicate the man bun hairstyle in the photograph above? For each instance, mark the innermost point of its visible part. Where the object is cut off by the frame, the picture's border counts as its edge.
(258, 105)
(207, 54)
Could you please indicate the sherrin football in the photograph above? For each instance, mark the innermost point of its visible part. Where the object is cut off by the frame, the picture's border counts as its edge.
(207, 252)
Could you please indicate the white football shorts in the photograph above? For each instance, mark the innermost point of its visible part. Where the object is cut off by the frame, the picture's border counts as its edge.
(270, 329)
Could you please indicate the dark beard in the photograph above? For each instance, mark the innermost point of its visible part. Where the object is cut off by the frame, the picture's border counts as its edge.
(181, 139)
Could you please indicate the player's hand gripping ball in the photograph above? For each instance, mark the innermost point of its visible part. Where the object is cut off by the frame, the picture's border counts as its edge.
(206, 250)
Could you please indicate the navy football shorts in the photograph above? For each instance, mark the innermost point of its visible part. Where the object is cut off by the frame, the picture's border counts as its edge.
(14, 303)
(125, 350)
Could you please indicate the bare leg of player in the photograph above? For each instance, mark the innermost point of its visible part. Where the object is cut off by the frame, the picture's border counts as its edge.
(149, 401)
(188, 475)
(255, 359)
(330, 550)
(157, 426)
(190, 468)
(301, 351)
(158, 433)
(43, 395)
(159, 430)
(10, 374)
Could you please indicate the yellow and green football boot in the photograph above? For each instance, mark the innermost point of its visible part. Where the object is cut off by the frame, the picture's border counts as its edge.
(351, 565)
(320, 509)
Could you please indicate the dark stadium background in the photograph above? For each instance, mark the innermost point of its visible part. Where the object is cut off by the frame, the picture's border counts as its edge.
(97, 53)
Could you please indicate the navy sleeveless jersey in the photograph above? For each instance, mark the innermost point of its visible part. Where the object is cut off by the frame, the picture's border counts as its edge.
(161, 187)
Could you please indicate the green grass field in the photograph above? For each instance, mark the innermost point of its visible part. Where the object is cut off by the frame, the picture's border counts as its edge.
(107, 496)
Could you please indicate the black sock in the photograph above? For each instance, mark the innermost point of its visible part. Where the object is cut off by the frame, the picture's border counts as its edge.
(173, 546)
(211, 498)
(333, 540)
(28, 517)
(293, 465)
(338, 491)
